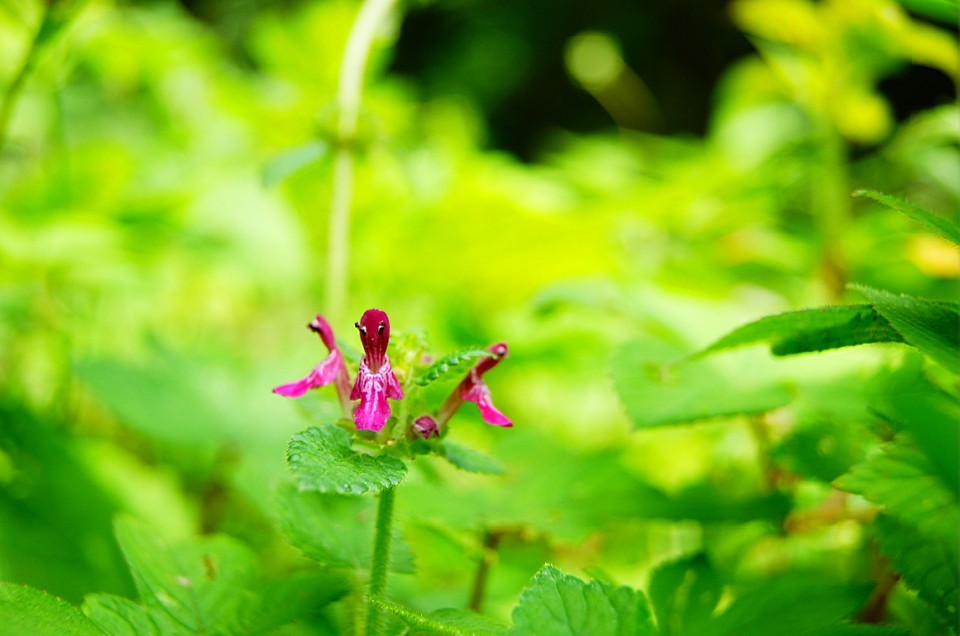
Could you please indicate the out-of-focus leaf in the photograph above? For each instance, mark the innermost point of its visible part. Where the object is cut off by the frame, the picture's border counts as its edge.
(471, 460)
(165, 401)
(51, 485)
(931, 326)
(823, 449)
(946, 11)
(321, 460)
(684, 594)
(448, 363)
(26, 611)
(658, 390)
(336, 530)
(706, 503)
(929, 566)
(280, 602)
(120, 616)
(203, 585)
(444, 621)
(556, 603)
(807, 606)
(935, 223)
(930, 415)
(290, 161)
(811, 330)
(902, 481)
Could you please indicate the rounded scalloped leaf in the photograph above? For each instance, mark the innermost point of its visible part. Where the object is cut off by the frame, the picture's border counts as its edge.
(321, 460)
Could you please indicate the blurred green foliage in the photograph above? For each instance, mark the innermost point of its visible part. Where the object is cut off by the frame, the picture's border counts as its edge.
(163, 239)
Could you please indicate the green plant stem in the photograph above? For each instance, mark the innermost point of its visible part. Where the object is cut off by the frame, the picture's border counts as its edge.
(371, 15)
(15, 87)
(831, 204)
(381, 558)
(491, 541)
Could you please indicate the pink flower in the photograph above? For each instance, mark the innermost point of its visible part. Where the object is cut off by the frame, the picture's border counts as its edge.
(331, 370)
(473, 389)
(426, 427)
(375, 380)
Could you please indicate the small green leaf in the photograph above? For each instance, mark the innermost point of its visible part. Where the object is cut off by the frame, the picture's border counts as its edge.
(335, 530)
(684, 594)
(293, 160)
(903, 482)
(444, 621)
(201, 584)
(932, 326)
(928, 566)
(558, 604)
(657, 391)
(811, 330)
(26, 611)
(321, 460)
(935, 223)
(470, 459)
(449, 363)
(807, 606)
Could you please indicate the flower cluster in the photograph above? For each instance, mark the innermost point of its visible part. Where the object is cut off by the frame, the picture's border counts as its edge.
(376, 381)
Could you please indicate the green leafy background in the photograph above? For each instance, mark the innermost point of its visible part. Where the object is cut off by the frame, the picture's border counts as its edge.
(733, 385)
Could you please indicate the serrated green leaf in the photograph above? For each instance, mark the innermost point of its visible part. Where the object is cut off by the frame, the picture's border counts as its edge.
(556, 603)
(470, 459)
(448, 363)
(805, 605)
(336, 530)
(928, 566)
(684, 594)
(120, 616)
(293, 160)
(934, 222)
(321, 460)
(903, 482)
(932, 326)
(812, 330)
(201, 584)
(658, 391)
(26, 611)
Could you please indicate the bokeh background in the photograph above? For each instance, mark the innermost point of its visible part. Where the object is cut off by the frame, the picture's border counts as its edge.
(564, 176)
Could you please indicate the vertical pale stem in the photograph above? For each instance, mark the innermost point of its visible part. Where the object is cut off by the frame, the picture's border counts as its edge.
(371, 15)
(13, 89)
(381, 558)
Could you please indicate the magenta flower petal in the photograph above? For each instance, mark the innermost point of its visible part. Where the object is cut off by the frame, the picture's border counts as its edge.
(479, 394)
(323, 374)
(372, 388)
(473, 389)
(376, 381)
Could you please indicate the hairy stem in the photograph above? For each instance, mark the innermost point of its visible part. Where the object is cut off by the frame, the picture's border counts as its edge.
(371, 16)
(381, 559)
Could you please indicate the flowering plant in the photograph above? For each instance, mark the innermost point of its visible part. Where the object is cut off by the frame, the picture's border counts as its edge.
(323, 459)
